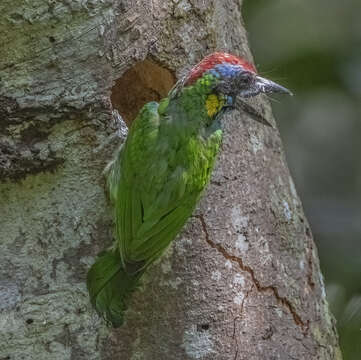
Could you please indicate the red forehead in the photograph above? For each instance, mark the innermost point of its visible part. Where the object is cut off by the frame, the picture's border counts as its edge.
(213, 59)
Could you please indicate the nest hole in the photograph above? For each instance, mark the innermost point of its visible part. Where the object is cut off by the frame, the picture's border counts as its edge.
(203, 327)
(146, 81)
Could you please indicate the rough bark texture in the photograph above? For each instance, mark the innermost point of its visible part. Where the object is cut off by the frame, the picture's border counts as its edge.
(241, 282)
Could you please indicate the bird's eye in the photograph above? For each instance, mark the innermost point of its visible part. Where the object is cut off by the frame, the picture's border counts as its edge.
(245, 77)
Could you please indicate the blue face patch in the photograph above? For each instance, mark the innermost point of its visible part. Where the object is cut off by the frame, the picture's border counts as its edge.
(226, 70)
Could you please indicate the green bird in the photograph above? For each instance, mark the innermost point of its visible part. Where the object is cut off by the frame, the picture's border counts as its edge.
(156, 179)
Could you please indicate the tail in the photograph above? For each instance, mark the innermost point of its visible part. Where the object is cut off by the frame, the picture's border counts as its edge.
(110, 287)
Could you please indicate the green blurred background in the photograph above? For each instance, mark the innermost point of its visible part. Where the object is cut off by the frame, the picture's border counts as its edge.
(314, 48)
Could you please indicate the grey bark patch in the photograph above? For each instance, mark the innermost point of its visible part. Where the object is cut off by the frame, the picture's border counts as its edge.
(9, 295)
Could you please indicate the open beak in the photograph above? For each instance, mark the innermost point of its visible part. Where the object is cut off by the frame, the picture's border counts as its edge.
(259, 85)
(268, 87)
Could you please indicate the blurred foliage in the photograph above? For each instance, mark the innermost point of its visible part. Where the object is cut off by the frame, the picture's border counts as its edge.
(314, 48)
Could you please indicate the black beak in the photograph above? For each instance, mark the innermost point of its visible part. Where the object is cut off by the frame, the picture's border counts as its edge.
(259, 85)
(267, 86)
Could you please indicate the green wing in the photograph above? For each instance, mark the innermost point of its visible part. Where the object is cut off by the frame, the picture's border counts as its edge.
(155, 183)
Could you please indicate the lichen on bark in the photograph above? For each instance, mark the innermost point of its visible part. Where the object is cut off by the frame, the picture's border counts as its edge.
(241, 282)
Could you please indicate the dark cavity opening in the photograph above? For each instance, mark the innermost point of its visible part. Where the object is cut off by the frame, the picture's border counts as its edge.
(203, 327)
(146, 81)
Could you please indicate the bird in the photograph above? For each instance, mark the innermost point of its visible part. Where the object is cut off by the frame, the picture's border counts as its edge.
(157, 176)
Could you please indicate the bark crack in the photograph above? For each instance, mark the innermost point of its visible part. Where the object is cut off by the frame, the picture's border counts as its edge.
(270, 288)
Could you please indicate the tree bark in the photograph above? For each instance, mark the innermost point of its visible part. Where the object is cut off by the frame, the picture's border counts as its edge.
(241, 282)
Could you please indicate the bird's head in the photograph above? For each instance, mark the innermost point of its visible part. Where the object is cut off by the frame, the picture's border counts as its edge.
(235, 76)
(226, 80)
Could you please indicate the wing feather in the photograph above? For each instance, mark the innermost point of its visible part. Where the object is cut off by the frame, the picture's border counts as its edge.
(155, 245)
(157, 182)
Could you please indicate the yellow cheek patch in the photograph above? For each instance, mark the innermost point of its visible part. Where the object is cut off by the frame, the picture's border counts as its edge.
(213, 104)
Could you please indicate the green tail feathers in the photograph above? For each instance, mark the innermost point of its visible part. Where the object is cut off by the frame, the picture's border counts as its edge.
(110, 287)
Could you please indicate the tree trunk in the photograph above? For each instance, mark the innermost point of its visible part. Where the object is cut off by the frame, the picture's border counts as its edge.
(241, 282)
